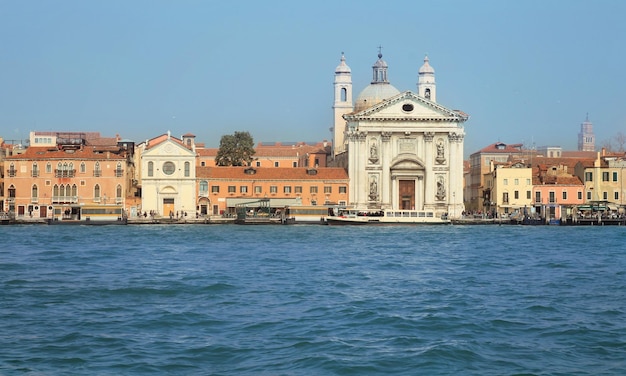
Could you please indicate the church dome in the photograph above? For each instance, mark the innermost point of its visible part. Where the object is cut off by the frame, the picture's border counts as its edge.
(374, 94)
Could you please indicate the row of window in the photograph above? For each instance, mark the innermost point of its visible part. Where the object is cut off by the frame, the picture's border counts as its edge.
(515, 181)
(67, 192)
(169, 168)
(66, 170)
(606, 176)
(204, 188)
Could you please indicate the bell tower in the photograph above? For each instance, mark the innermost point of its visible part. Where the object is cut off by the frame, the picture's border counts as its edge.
(426, 87)
(343, 103)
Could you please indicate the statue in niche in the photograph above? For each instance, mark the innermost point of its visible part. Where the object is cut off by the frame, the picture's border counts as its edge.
(373, 152)
(441, 189)
(440, 159)
(373, 189)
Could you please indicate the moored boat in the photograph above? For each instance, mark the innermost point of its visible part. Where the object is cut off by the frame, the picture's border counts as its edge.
(387, 217)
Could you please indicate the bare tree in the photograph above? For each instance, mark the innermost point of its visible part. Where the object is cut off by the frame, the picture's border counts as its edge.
(620, 139)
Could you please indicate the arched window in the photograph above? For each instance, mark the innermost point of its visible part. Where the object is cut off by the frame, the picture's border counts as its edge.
(96, 170)
(55, 193)
(204, 187)
(74, 191)
(187, 167)
(118, 191)
(344, 94)
(35, 170)
(12, 170)
(62, 191)
(150, 168)
(48, 168)
(34, 192)
(83, 168)
(12, 191)
(96, 192)
(427, 93)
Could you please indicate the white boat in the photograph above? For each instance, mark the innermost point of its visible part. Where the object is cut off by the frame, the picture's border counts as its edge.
(386, 217)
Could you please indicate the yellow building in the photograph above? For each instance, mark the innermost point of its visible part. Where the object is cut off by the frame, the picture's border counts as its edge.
(508, 189)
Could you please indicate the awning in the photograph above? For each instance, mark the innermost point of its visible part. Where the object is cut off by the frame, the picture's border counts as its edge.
(273, 202)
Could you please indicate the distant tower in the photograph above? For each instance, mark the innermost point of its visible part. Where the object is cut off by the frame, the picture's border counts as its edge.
(343, 103)
(426, 87)
(586, 139)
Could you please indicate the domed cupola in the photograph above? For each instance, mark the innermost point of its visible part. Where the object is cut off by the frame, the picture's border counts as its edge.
(379, 89)
(426, 87)
(343, 67)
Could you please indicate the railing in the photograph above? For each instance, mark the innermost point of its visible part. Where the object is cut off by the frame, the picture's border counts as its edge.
(34, 173)
(11, 173)
(34, 200)
(64, 199)
(64, 173)
(97, 173)
(119, 173)
(118, 200)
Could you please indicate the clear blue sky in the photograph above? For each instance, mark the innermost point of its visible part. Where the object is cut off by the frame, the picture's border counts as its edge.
(525, 71)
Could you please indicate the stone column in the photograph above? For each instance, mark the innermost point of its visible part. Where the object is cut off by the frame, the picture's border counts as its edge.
(385, 180)
(429, 174)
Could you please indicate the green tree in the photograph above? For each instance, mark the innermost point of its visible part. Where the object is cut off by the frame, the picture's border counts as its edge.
(235, 150)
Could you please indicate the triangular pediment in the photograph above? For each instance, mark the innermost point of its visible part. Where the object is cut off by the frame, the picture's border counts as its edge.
(408, 106)
(169, 147)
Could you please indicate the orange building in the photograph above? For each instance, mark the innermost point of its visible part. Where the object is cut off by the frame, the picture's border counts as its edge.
(73, 170)
(277, 154)
(221, 189)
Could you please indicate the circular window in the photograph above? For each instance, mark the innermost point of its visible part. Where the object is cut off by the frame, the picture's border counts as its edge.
(169, 168)
(407, 107)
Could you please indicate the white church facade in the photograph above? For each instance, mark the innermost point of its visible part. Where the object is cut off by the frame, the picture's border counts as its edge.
(403, 149)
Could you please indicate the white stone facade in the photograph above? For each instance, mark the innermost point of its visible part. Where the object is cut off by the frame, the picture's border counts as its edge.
(406, 152)
(168, 175)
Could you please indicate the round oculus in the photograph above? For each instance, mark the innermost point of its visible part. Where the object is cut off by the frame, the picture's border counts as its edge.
(169, 168)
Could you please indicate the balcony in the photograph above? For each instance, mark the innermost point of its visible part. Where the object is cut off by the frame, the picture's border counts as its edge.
(11, 173)
(119, 173)
(34, 173)
(34, 200)
(97, 173)
(64, 173)
(64, 199)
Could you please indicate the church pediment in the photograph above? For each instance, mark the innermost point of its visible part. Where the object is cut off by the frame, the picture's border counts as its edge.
(168, 148)
(410, 107)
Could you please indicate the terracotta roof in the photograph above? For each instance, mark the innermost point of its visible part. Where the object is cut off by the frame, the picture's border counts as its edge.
(207, 152)
(87, 152)
(162, 138)
(556, 180)
(501, 147)
(579, 154)
(278, 150)
(271, 173)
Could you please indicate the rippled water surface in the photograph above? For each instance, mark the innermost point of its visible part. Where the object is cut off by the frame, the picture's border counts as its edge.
(312, 300)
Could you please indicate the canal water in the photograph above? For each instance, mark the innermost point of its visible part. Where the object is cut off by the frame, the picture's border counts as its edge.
(312, 300)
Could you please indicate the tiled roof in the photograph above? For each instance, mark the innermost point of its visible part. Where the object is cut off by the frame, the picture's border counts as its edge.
(501, 147)
(274, 150)
(271, 173)
(579, 154)
(162, 138)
